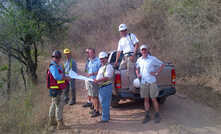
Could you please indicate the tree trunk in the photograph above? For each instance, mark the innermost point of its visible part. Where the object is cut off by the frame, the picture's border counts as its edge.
(9, 76)
(23, 77)
(31, 59)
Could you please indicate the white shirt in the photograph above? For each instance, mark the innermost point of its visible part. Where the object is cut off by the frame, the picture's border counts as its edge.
(126, 44)
(108, 73)
(146, 66)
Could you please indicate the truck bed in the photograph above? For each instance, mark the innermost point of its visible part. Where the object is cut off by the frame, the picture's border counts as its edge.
(164, 81)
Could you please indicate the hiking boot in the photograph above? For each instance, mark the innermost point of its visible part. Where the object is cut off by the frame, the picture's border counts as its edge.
(157, 118)
(72, 102)
(87, 104)
(95, 114)
(60, 125)
(147, 118)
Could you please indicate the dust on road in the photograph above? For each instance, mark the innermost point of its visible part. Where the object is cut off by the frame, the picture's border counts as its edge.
(180, 115)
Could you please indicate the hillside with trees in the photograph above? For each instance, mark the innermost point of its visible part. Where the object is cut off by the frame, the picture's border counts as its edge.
(183, 32)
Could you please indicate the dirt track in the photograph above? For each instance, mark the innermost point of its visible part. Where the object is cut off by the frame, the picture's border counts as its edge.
(180, 115)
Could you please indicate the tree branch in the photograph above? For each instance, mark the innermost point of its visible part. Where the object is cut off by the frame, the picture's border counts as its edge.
(19, 59)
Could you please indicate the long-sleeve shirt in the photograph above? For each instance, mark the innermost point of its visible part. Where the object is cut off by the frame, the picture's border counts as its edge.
(54, 70)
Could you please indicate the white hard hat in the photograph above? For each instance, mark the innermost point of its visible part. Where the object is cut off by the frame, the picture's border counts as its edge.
(102, 55)
(144, 46)
(136, 83)
(122, 27)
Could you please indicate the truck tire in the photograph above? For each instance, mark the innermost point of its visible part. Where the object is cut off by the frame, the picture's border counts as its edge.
(115, 101)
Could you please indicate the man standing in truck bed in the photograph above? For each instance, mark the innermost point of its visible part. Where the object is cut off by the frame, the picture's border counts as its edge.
(129, 44)
(148, 67)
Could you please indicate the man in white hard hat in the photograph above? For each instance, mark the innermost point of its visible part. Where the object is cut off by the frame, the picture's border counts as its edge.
(128, 44)
(147, 69)
(104, 81)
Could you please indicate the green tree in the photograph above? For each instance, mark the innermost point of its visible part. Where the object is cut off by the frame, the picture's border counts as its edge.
(26, 24)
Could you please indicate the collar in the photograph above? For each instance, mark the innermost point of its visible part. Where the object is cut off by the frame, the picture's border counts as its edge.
(148, 56)
(53, 62)
(94, 59)
(105, 65)
(69, 59)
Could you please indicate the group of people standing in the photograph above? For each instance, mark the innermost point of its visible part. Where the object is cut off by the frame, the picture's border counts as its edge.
(100, 90)
(98, 68)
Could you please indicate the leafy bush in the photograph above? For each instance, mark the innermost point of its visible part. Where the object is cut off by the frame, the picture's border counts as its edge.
(3, 68)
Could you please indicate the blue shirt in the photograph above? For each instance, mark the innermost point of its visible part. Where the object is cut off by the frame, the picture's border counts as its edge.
(70, 64)
(54, 70)
(93, 66)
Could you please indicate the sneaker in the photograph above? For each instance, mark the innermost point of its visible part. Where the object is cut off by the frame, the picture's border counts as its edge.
(95, 114)
(147, 118)
(66, 100)
(103, 121)
(157, 118)
(92, 107)
(72, 102)
(87, 104)
(92, 111)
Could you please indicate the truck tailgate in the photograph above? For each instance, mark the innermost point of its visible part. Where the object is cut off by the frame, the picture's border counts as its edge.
(164, 78)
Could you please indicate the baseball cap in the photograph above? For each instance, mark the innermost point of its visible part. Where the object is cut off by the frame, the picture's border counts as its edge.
(122, 27)
(144, 46)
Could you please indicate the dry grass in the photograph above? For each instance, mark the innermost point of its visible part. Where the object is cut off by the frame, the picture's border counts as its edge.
(26, 112)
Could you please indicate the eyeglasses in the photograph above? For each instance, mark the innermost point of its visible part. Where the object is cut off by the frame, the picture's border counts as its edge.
(102, 58)
(123, 31)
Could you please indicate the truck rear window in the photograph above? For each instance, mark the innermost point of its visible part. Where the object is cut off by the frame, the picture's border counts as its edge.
(113, 57)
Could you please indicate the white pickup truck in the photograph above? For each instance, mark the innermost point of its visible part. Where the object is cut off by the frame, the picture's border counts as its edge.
(165, 81)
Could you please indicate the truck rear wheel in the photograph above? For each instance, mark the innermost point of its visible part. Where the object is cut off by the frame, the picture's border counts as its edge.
(115, 101)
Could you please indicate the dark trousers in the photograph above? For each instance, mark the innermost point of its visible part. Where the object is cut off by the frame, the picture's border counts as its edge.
(70, 85)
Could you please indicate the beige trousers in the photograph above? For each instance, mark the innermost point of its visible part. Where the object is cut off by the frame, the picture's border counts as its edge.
(56, 108)
(129, 65)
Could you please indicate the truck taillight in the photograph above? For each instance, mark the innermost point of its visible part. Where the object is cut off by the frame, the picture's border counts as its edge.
(173, 77)
(117, 82)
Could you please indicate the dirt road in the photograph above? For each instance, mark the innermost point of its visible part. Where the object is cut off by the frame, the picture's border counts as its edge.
(180, 115)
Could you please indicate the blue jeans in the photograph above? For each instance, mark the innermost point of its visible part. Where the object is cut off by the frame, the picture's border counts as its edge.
(105, 95)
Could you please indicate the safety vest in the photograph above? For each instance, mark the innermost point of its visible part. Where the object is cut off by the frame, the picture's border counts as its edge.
(106, 82)
(55, 84)
(70, 66)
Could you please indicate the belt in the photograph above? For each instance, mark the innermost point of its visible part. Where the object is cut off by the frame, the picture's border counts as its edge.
(105, 85)
(128, 54)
